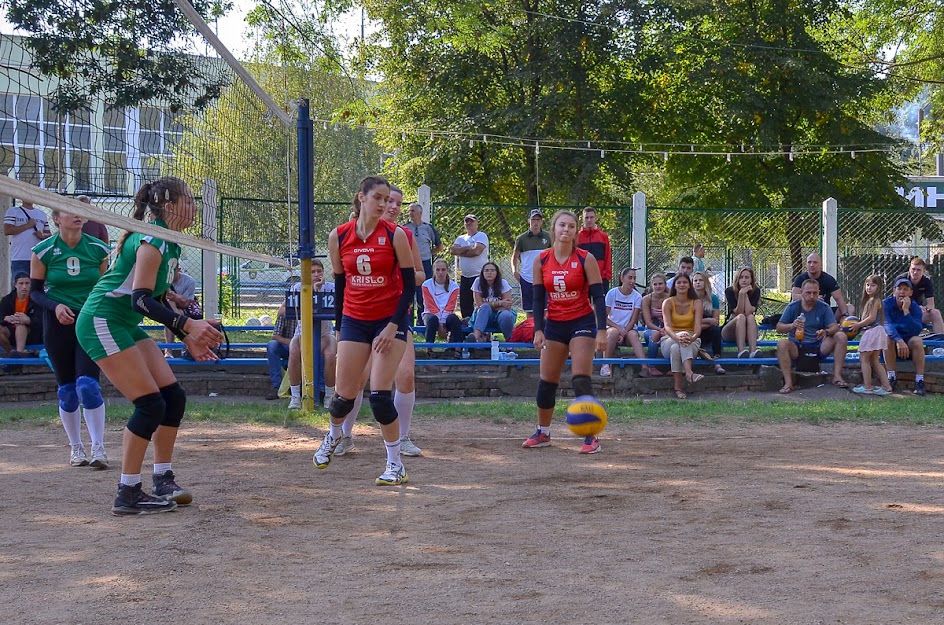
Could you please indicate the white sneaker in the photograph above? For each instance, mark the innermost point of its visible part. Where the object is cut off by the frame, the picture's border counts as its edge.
(327, 400)
(407, 448)
(605, 371)
(99, 458)
(295, 403)
(77, 457)
(345, 446)
(322, 457)
(393, 476)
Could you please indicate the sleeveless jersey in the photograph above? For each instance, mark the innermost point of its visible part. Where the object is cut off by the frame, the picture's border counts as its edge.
(111, 297)
(372, 275)
(71, 272)
(566, 284)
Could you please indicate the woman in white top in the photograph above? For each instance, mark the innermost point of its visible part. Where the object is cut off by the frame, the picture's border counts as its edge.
(623, 308)
(493, 306)
(440, 297)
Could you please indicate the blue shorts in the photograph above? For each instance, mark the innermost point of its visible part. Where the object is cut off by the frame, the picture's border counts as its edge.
(359, 331)
(527, 295)
(564, 331)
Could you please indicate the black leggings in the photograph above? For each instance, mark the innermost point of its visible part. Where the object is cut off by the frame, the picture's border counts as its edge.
(712, 335)
(69, 361)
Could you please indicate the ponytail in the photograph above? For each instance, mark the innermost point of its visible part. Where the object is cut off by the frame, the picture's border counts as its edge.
(368, 183)
(154, 197)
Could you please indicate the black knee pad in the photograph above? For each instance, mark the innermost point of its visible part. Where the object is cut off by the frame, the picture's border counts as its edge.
(547, 394)
(582, 385)
(381, 404)
(147, 416)
(340, 407)
(175, 400)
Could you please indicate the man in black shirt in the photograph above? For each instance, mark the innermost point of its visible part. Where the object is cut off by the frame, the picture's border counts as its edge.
(828, 287)
(923, 294)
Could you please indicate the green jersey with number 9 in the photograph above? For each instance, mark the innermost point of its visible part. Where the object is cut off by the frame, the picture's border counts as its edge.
(71, 272)
(111, 297)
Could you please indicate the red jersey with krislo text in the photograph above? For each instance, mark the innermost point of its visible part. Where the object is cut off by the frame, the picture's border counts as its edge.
(566, 284)
(372, 275)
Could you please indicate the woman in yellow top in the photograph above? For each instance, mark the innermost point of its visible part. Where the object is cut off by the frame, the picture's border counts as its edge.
(682, 313)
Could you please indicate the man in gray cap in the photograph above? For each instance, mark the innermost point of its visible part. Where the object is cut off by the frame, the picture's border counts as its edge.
(903, 326)
(527, 247)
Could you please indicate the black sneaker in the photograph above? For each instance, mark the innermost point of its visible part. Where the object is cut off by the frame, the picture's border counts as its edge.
(166, 488)
(919, 388)
(273, 394)
(893, 382)
(131, 500)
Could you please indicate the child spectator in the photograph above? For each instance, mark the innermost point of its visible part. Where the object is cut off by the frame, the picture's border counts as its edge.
(874, 339)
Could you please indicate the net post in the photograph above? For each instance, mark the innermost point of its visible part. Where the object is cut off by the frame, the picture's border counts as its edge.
(311, 354)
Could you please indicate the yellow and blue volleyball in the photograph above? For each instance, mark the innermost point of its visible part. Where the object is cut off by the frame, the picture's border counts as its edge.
(586, 416)
(846, 326)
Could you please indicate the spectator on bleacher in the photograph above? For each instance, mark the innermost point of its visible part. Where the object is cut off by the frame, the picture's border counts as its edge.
(821, 335)
(471, 249)
(182, 298)
(652, 317)
(740, 326)
(329, 346)
(493, 305)
(698, 258)
(623, 308)
(924, 294)
(686, 266)
(874, 340)
(528, 246)
(710, 318)
(93, 228)
(277, 349)
(26, 226)
(903, 326)
(440, 296)
(429, 244)
(682, 312)
(597, 242)
(828, 287)
(22, 319)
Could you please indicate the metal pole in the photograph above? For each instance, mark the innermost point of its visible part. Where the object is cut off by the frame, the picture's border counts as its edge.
(306, 250)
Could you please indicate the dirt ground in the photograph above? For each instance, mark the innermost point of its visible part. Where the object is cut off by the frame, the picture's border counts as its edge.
(670, 524)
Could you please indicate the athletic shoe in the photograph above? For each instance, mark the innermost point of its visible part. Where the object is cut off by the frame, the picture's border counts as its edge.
(605, 371)
(755, 353)
(393, 476)
(99, 459)
(407, 448)
(861, 390)
(78, 458)
(322, 457)
(744, 353)
(919, 388)
(893, 382)
(538, 439)
(295, 403)
(327, 400)
(132, 500)
(878, 390)
(591, 445)
(720, 370)
(167, 489)
(273, 394)
(345, 446)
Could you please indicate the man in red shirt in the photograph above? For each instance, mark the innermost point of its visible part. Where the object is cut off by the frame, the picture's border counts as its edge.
(597, 242)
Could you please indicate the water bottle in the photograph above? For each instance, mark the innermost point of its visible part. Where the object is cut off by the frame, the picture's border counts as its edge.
(513, 355)
(495, 350)
(465, 353)
(800, 330)
(937, 351)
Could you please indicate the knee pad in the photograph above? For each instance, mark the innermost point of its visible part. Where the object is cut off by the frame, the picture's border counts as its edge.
(547, 394)
(147, 416)
(381, 404)
(582, 385)
(68, 398)
(340, 407)
(90, 392)
(175, 403)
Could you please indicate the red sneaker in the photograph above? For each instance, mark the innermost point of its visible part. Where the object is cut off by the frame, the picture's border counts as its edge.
(538, 439)
(591, 445)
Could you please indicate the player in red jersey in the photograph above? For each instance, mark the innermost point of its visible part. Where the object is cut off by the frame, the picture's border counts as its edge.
(570, 278)
(372, 262)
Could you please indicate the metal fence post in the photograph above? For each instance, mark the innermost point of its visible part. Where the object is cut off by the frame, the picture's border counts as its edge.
(211, 275)
(831, 237)
(639, 232)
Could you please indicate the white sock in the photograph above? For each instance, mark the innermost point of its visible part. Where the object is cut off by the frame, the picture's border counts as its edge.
(348, 426)
(72, 424)
(297, 391)
(160, 468)
(919, 377)
(128, 479)
(404, 402)
(891, 375)
(95, 422)
(545, 429)
(393, 451)
(336, 431)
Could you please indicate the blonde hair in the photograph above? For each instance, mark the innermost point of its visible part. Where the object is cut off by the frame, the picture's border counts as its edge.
(558, 215)
(707, 296)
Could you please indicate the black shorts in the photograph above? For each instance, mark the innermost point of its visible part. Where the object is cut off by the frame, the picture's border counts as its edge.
(359, 331)
(527, 295)
(564, 331)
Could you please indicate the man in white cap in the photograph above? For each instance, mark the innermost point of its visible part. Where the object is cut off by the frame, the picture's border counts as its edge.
(471, 249)
(527, 246)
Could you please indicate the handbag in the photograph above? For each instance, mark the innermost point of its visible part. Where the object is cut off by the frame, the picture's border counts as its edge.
(808, 358)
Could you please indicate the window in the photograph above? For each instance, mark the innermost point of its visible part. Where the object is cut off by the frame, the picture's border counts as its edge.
(116, 157)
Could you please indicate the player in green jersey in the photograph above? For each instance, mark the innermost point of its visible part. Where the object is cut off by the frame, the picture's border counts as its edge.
(142, 271)
(69, 264)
